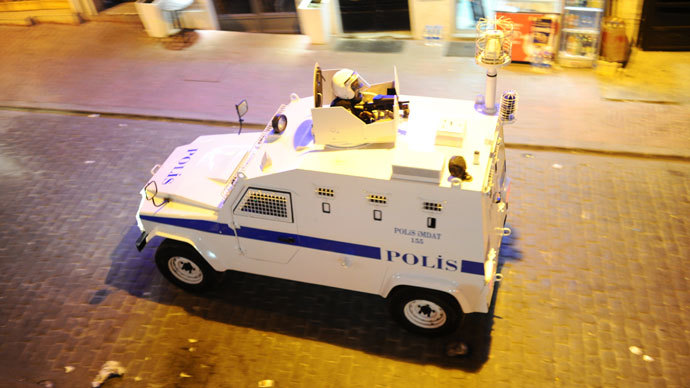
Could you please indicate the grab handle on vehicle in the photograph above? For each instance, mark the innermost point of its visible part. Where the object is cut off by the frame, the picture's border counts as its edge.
(506, 231)
(155, 169)
(152, 198)
(286, 239)
(498, 277)
(345, 262)
(154, 191)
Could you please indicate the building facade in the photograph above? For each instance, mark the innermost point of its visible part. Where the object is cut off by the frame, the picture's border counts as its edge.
(650, 21)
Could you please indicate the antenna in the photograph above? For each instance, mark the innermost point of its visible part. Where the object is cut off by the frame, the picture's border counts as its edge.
(492, 51)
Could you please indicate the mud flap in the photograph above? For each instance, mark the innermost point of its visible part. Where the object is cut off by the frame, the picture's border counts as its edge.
(141, 241)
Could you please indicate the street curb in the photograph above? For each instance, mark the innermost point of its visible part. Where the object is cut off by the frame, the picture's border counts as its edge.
(131, 116)
(257, 126)
(602, 152)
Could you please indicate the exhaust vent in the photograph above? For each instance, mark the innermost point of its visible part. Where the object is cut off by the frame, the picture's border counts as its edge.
(377, 199)
(324, 192)
(432, 206)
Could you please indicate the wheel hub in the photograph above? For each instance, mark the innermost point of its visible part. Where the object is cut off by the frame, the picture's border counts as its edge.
(185, 270)
(425, 314)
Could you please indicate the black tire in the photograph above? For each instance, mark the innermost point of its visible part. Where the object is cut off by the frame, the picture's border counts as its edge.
(423, 311)
(184, 267)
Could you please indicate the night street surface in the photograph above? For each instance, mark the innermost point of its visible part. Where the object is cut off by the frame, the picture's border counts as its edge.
(596, 265)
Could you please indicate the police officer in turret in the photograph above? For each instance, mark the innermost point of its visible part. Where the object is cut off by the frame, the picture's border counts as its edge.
(348, 86)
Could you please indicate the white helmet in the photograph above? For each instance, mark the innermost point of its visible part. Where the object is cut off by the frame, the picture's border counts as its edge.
(347, 84)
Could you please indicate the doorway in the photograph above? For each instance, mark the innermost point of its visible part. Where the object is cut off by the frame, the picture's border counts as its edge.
(468, 13)
(665, 26)
(374, 15)
(271, 16)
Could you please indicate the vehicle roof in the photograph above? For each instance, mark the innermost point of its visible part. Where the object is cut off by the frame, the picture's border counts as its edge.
(416, 151)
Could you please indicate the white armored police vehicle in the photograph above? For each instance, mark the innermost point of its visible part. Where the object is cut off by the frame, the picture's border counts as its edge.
(403, 199)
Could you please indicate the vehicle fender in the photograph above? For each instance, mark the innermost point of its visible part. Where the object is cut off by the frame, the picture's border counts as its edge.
(421, 281)
(201, 245)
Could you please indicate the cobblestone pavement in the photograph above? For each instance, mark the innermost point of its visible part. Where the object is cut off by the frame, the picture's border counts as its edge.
(595, 266)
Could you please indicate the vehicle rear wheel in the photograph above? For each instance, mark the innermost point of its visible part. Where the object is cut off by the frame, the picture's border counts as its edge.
(424, 311)
(182, 265)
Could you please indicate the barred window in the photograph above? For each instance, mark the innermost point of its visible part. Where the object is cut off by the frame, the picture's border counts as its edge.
(272, 205)
(432, 206)
(324, 192)
(376, 198)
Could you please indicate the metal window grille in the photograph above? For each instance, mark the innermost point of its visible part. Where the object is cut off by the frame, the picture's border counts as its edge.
(432, 206)
(324, 192)
(378, 199)
(266, 204)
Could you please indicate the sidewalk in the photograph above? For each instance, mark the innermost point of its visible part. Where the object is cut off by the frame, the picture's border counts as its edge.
(117, 68)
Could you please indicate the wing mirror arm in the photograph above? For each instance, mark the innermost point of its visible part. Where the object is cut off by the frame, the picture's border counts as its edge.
(242, 107)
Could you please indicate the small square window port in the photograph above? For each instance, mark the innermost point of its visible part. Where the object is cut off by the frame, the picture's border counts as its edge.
(378, 215)
(431, 222)
(325, 207)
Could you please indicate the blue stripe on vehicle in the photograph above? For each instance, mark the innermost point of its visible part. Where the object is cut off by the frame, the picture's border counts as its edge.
(204, 226)
(310, 242)
(272, 236)
(472, 267)
(341, 247)
(266, 235)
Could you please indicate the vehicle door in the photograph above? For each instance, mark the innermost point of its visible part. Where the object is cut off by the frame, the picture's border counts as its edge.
(265, 225)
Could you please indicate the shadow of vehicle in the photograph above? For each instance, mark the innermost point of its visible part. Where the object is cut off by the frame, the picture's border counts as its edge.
(343, 318)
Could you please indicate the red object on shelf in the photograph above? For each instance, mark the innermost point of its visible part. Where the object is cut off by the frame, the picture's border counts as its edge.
(614, 41)
(532, 29)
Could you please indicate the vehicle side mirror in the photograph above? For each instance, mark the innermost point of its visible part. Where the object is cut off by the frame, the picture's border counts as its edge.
(241, 109)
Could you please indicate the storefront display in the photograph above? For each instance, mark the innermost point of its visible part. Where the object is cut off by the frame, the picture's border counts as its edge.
(580, 37)
(534, 37)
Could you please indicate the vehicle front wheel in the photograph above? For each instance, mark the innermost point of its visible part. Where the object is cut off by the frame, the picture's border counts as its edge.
(424, 311)
(182, 265)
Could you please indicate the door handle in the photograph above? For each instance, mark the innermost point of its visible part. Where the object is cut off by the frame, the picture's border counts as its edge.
(286, 239)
